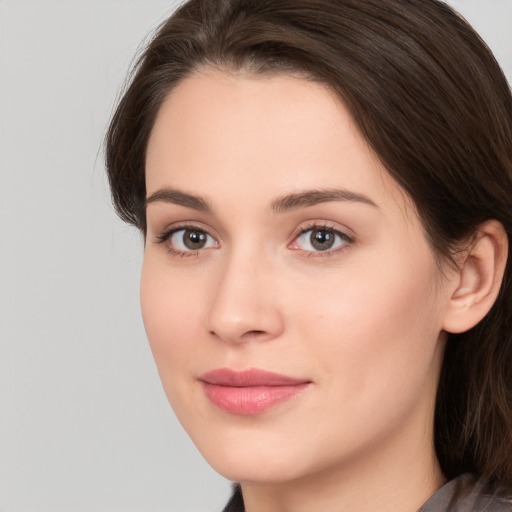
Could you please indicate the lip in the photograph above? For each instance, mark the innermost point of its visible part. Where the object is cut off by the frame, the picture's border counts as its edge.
(249, 392)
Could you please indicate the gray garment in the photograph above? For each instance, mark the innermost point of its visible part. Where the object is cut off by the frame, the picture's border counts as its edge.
(462, 494)
(465, 494)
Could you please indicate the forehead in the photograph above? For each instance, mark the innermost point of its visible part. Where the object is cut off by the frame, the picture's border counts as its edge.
(260, 136)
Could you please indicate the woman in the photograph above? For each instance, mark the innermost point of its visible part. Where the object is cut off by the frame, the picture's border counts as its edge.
(324, 190)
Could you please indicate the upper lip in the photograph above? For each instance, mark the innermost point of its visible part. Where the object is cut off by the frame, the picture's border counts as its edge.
(248, 378)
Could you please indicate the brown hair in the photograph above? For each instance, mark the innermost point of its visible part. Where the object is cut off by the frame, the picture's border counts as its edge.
(430, 99)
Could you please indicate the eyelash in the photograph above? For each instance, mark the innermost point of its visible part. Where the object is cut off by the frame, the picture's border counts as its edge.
(164, 238)
(315, 226)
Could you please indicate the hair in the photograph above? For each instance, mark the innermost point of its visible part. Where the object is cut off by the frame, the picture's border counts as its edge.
(434, 106)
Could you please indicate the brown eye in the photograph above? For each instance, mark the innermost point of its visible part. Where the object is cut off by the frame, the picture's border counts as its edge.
(193, 239)
(322, 239)
(189, 240)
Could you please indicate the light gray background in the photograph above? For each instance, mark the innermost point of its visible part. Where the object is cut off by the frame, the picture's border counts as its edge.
(84, 424)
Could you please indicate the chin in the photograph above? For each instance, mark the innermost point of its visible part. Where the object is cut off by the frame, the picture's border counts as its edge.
(250, 456)
(256, 469)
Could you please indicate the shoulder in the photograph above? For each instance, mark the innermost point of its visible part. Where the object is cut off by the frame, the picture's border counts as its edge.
(462, 494)
(467, 494)
(492, 499)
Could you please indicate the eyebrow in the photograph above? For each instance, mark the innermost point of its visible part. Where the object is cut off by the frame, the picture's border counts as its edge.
(173, 196)
(314, 197)
(282, 204)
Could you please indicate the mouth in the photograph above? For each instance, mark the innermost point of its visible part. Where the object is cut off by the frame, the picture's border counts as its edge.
(249, 392)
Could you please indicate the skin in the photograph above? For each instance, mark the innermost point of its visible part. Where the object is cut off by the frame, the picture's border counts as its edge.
(363, 321)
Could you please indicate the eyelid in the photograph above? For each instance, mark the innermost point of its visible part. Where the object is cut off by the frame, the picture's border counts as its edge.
(344, 233)
(187, 224)
(166, 234)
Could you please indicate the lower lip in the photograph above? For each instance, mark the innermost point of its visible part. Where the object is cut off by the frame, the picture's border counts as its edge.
(251, 400)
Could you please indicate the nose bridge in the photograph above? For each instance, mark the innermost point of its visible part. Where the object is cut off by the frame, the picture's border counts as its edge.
(244, 306)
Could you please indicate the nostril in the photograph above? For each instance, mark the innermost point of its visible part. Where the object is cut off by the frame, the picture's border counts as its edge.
(244, 322)
(249, 334)
(253, 334)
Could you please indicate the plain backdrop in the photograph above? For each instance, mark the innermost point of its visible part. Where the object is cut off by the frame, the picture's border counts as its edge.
(84, 423)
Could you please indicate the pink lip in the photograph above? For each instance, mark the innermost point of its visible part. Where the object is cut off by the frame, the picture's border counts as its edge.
(249, 392)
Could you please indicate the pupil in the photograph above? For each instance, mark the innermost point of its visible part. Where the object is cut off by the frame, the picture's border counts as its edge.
(194, 239)
(322, 240)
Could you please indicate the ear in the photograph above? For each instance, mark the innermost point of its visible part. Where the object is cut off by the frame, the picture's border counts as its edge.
(478, 279)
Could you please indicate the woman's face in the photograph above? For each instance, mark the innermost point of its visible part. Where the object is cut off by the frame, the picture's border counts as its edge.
(292, 303)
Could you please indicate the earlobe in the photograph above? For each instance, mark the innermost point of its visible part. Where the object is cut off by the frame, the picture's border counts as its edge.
(478, 280)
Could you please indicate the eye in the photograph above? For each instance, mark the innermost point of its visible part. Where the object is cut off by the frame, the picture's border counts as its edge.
(321, 239)
(186, 241)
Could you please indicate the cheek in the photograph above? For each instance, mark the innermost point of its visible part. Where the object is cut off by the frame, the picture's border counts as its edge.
(373, 338)
(376, 331)
(170, 311)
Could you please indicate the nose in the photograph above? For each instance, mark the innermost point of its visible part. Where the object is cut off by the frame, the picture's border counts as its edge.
(245, 306)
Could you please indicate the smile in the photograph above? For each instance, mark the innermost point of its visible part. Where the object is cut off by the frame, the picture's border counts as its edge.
(249, 392)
